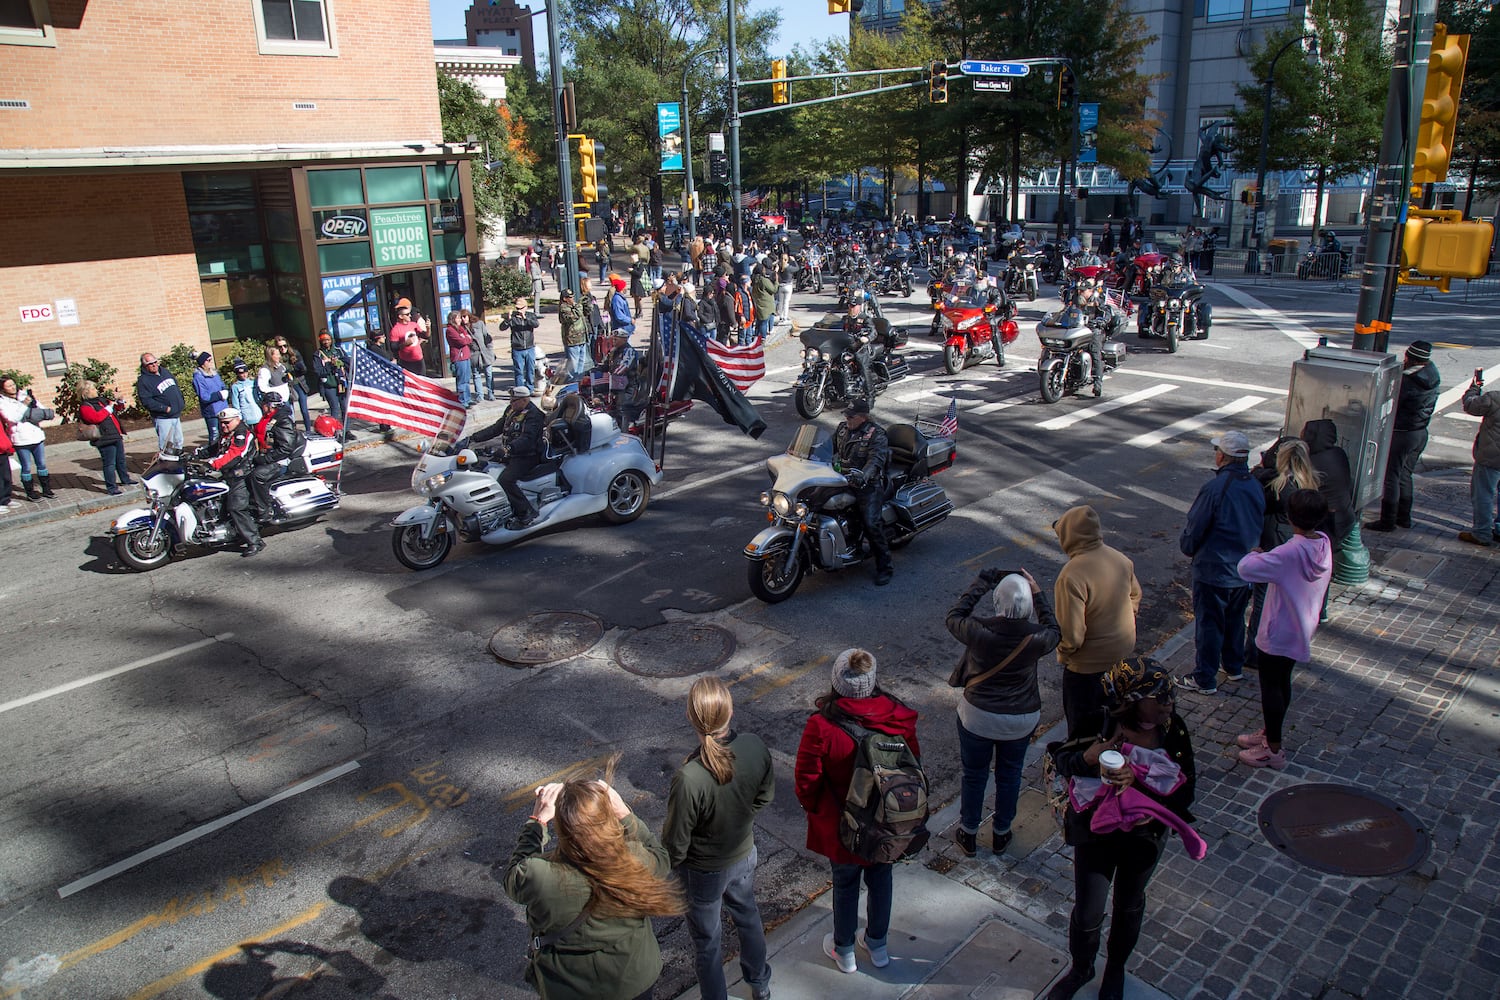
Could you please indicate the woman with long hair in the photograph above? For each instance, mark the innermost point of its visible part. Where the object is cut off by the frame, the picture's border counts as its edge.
(590, 900)
(709, 836)
(825, 768)
(95, 410)
(1285, 468)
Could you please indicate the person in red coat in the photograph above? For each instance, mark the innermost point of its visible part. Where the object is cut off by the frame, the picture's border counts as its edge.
(825, 766)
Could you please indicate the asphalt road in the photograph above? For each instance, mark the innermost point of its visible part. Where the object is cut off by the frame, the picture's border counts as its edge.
(316, 751)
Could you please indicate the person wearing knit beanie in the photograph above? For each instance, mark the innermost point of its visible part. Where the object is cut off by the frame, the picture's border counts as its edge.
(854, 674)
(1416, 399)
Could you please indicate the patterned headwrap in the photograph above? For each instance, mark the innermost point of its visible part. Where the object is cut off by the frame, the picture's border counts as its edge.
(1135, 679)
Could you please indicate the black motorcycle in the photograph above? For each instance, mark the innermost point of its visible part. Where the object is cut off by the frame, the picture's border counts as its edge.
(894, 276)
(831, 375)
(1066, 365)
(1177, 310)
(1328, 259)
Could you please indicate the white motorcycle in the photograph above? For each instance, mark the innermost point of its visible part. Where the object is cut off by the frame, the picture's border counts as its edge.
(188, 506)
(590, 467)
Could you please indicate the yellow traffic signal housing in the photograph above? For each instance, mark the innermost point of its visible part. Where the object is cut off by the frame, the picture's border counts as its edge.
(1440, 245)
(1445, 80)
(838, 6)
(937, 83)
(588, 166)
(780, 89)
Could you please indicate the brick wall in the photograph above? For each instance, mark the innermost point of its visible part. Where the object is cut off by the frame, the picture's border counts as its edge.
(118, 245)
(164, 74)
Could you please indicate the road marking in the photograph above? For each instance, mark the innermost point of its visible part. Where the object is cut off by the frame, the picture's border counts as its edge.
(710, 480)
(1464, 416)
(1151, 439)
(1195, 380)
(183, 975)
(1456, 393)
(1099, 409)
(1171, 503)
(1452, 347)
(95, 678)
(202, 831)
(1216, 347)
(984, 408)
(1284, 324)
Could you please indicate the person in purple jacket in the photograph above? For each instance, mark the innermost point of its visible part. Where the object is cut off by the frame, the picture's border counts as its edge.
(1297, 573)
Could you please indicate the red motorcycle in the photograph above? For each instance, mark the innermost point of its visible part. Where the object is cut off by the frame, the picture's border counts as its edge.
(976, 331)
(1137, 276)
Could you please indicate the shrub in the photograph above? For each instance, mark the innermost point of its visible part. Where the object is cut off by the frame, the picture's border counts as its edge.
(101, 373)
(503, 284)
(250, 351)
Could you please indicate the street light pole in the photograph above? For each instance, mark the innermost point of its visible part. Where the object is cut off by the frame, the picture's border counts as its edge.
(687, 142)
(734, 132)
(1258, 220)
(564, 168)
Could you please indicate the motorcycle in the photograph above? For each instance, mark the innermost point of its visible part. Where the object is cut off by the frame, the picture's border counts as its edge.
(894, 276)
(1065, 364)
(1177, 309)
(809, 270)
(590, 467)
(1021, 275)
(977, 329)
(830, 372)
(1329, 259)
(810, 506)
(188, 506)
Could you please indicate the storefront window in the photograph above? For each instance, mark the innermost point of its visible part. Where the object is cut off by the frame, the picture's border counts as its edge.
(351, 256)
(331, 188)
(231, 260)
(442, 180)
(448, 246)
(217, 228)
(391, 184)
(286, 258)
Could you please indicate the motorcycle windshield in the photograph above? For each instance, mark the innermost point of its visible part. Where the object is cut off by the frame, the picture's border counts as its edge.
(812, 443)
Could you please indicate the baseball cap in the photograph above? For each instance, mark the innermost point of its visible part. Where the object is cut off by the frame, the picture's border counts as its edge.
(403, 303)
(519, 392)
(858, 406)
(1233, 443)
(230, 413)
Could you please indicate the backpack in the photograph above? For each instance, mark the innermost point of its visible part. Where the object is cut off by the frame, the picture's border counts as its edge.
(885, 809)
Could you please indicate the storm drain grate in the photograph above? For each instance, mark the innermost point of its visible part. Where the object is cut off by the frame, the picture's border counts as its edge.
(546, 637)
(676, 649)
(1343, 830)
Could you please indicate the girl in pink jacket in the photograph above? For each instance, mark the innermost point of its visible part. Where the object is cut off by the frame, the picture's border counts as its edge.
(1298, 572)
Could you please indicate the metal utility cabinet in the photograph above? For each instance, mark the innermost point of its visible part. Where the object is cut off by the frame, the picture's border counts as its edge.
(1357, 391)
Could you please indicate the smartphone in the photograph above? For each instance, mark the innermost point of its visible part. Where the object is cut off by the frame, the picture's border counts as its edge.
(1479, 376)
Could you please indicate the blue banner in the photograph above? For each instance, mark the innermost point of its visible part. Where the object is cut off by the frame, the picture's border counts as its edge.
(669, 131)
(1088, 133)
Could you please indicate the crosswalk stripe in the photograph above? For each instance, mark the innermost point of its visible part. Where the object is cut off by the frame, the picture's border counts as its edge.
(1151, 439)
(1099, 409)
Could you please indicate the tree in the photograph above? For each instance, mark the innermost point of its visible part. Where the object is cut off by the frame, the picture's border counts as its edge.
(1478, 138)
(501, 137)
(1326, 114)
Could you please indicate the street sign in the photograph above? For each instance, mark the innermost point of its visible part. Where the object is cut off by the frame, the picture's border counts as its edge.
(984, 83)
(978, 67)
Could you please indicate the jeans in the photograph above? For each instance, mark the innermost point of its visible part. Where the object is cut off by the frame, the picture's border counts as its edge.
(462, 375)
(707, 894)
(1397, 493)
(212, 422)
(485, 376)
(578, 360)
(764, 326)
(977, 753)
(335, 403)
(112, 458)
(168, 434)
(301, 397)
(33, 459)
(1220, 633)
(1482, 489)
(846, 903)
(1275, 693)
(525, 364)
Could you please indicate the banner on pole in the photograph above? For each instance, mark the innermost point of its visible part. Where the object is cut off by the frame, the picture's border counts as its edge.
(1088, 133)
(669, 131)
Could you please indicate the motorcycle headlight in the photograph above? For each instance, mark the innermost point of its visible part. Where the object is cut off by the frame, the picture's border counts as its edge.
(434, 483)
(781, 504)
(813, 354)
(1175, 303)
(800, 510)
(765, 499)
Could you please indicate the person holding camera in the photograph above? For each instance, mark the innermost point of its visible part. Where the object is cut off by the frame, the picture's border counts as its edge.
(522, 322)
(28, 438)
(331, 368)
(1485, 482)
(407, 336)
(864, 452)
(100, 413)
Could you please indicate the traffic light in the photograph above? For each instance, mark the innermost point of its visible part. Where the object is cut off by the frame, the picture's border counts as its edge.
(779, 86)
(1065, 87)
(937, 82)
(845, 6)
(589, 151)
(1445, 79)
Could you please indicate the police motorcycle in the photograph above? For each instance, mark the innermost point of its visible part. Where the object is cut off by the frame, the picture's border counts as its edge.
(1065, 364)
(1177, 309)
(1326, 259)
(189, 505)
(810, 506)
(831, 374)
(589, 467)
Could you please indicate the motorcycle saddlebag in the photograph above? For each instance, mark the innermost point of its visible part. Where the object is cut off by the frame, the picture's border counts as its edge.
(921, 505)
(1114, 352)
(941, 453)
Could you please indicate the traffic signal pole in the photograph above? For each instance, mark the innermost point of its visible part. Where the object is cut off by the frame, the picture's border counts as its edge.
(1392, 188)
(564, 167)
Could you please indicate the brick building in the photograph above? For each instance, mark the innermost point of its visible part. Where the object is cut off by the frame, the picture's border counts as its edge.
(193, 173)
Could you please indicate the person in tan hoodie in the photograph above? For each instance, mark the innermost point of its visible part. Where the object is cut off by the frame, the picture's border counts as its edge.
(1096, 597)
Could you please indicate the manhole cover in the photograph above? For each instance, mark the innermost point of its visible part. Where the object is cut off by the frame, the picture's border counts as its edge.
(676, 649)
(1412, 563)
(546, 636)
(1343, 830)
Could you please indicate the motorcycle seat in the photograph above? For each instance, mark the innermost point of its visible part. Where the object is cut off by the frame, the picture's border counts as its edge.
(906, 443)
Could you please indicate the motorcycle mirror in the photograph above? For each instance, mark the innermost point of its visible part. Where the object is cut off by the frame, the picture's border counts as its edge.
(422, 446)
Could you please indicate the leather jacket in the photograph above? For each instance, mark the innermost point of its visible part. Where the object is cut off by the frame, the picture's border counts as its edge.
(866, 449)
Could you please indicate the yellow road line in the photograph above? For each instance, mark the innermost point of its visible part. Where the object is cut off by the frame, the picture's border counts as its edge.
(1452, 347)
(523, 796)
(183, 975)
(776, 683)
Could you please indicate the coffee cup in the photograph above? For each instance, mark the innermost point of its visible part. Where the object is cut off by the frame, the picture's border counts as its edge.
(1111, 760)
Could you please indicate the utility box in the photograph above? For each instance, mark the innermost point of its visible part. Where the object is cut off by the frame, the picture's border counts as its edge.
(1357, 391)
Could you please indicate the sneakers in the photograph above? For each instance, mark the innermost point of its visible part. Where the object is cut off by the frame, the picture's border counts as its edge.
(967, 842)
(1473, 539)
(1234, 678)
(114, 491)
(879, 957)
(1251, 741)
(1190, 683)
(1263, 757)
(843, 959)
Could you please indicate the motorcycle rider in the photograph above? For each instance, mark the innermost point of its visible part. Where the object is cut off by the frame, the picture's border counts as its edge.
(520, 432)
(861, 333)
(863, 453)
(280, 451)
(233, 454)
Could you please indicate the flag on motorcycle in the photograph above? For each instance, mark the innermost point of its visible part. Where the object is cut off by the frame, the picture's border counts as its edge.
(745, 364)
(382, 392)
(949, 426)
(689, 372)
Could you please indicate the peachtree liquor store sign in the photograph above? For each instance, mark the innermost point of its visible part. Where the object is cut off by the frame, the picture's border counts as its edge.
(399, 236)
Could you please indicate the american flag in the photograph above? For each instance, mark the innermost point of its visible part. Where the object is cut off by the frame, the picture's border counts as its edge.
(745, 365)
(949, 426)
(383, 393)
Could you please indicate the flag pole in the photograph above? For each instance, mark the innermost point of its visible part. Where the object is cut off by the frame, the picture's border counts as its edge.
(338, 479)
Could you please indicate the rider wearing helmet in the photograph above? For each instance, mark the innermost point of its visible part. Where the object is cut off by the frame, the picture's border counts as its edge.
(280, 448)
(864, 452)
(233, 454)
(1073, 318)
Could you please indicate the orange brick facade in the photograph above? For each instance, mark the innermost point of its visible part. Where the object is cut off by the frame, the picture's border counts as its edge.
(164, 74)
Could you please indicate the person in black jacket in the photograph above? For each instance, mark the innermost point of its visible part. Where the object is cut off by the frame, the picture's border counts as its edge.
(520, 432)
(1001, 703)
(1138, 692)
(1336, 481)
(233, 454)
(280, 451)
(522, 323)
(864, 453)
(1415, 401)
(160, 397)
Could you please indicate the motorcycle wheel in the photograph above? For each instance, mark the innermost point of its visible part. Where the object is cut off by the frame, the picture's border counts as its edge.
(1302, 271)
(818, 283)
(629, 493)
(809, 404)
(906, 289)
(1052, 382)
(1030, 294)
(768, 583)
(136, 551)
(1172, 337)
(1205, 319)
(953, 359)
(416, 553)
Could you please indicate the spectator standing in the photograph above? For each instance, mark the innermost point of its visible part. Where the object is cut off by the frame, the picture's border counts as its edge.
(1107, 241)
(484, 351)
(709, 836)
(160, 397)
(604, 254)
(1484, 482)
(824, 770)
(1290, 469)
(575, 334)
(1223, 525)
(331, 368)
(763, 297)
(1415, 401)
(653, 258)
(212, 393)
(637, 281)
(273, 380)
(243, 395)
(522, 323)
(786, 283)
(297, 371)
(1001, 704)
(1335, 480)
(7, 449)
(532, 265)
(408, 334)
(461, 354)
(97, 412)
(593, 319)
(1097, 597)
(621, 319)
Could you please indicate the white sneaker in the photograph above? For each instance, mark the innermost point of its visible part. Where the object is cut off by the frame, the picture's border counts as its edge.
(844, 960)
(879, 957)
